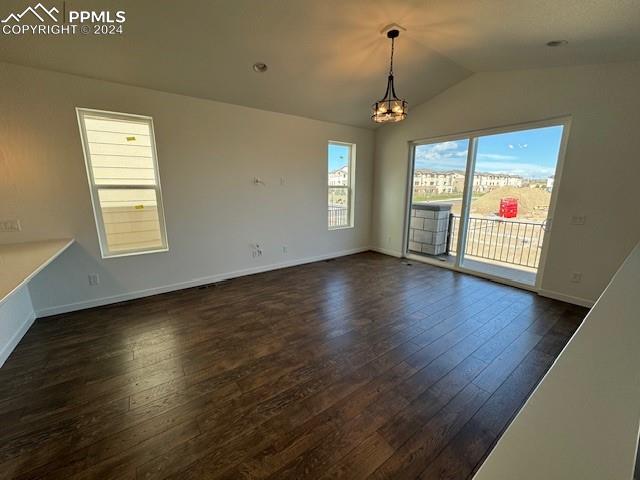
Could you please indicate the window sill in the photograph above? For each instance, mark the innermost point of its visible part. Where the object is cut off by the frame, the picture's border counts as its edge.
(130, 254)
(346, 227)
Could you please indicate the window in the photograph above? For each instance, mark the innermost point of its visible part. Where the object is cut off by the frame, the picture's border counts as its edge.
(341, 163)
(122, 167)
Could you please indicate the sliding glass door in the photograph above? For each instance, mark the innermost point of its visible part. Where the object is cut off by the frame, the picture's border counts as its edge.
(482, 202)
(438, 180)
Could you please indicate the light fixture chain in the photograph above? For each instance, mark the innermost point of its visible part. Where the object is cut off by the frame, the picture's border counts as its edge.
(391, 64)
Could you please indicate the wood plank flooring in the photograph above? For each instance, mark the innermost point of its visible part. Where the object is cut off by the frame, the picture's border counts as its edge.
(365, 366)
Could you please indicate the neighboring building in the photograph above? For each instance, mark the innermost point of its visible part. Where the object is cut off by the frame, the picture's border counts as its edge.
(550, 183)
(485, 182)
(431, 182)
(339, 177)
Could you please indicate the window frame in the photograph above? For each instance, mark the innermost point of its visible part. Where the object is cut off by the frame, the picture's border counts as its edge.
(350, 187)
(94, 188)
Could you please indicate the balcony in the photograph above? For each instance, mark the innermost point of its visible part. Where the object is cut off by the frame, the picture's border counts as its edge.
(499, 247)
(338, 216)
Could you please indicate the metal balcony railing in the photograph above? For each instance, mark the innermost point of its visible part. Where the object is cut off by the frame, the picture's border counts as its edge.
(501, 240)
(338, 216)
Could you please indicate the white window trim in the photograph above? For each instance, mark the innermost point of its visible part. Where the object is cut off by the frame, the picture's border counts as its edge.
(93, 188)
(351, 187)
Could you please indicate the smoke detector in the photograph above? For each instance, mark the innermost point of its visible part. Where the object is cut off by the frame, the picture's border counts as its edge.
(260, 67)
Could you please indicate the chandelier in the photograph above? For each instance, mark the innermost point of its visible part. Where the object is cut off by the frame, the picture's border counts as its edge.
(390, 108)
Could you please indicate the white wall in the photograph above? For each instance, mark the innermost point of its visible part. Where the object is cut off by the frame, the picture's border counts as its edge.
(16, 316)
(208, 153)
(581, 422)
(602, 166)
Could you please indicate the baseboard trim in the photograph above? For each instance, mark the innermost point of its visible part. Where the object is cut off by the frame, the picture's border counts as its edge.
(15, 339)
(583, 302)
(386, 251)
(98, 302)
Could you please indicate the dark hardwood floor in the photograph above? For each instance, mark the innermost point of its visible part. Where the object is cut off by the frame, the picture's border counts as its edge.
(360, 367)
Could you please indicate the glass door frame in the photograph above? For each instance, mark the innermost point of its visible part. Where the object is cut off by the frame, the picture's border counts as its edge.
(472, 136)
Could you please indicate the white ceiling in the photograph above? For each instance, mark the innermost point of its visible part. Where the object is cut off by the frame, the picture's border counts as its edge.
(327, 59)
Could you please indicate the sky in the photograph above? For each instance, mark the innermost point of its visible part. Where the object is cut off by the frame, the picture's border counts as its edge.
(528, 153)
(338, 156)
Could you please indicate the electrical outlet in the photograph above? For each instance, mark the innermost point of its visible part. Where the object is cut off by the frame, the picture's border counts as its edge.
(282, 181)
(10, 226)
(576, 277)
(256, 250)
(94, 279)
(285, 249)
(578, 220)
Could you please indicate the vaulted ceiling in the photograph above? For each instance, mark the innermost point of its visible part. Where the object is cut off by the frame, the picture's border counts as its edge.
(327, 58)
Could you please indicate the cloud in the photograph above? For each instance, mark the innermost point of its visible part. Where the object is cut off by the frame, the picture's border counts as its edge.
(527, 170)
(441, 156)
(496, 156)
(444, 146)
(511, 147)
(447, 156)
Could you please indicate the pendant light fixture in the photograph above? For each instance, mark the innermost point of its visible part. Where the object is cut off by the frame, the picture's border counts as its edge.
(390, 108)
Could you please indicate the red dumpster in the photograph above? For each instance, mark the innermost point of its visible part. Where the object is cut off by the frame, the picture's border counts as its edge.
(508, 207)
